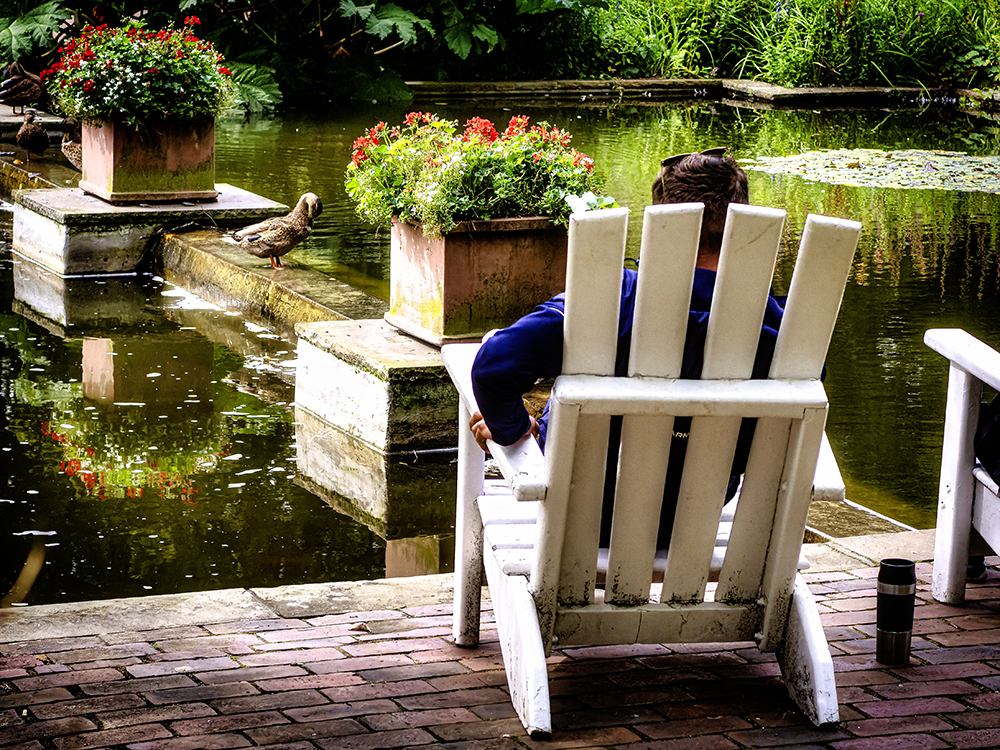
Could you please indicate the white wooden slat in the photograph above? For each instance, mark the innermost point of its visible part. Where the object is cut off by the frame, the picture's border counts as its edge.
(698, 398)
(523, 647)
(966, 352)
(983, 477)
(505, 509)
(468, 536)
(606, 624)
(828, 484)
(510, 536)
(805, 659)
(741, 574)
(596, 255)
(670, 235)
(955, 488)
(711, 445)
(667, 257)
(577, 565)
(746, 266)
(986, 513)
(561, 446)
(789, 524)
(515, 562)
(825, 254)
(458, 359)
(638, 499)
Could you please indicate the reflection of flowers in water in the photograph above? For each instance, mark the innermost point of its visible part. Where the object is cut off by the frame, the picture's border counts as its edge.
(173, 480)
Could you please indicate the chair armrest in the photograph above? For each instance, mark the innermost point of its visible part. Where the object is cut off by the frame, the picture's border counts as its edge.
(966, 352)
(828, 484)
(522, 463)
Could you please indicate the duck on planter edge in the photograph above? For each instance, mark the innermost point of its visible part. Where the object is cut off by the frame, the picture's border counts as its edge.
(275, 237)
(32, 137)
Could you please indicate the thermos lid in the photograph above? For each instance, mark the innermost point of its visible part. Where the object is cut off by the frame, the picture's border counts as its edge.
(897, 571)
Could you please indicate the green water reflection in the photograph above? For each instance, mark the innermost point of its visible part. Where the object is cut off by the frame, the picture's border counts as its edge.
(926, 258)
(128, 483)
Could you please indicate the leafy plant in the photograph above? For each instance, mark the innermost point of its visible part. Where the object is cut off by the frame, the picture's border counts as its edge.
(25, 35)
(139, 76)
(429, 171)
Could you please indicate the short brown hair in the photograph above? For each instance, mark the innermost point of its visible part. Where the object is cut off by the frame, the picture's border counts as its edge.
(714, 180)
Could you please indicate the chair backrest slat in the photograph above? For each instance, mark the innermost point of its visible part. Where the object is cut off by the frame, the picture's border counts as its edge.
(593, 284)
(667, 258)
(750, 248)
(825, 254)
(576, 448)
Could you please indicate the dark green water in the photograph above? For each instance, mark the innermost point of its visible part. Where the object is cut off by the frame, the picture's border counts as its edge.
(196, 488)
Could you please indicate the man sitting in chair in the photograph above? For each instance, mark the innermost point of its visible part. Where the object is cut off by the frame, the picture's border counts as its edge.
(513, 359)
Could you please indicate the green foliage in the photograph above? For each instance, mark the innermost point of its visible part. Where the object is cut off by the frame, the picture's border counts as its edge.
(427, 171)
(25, 35)
(254, 88)
(139, 76)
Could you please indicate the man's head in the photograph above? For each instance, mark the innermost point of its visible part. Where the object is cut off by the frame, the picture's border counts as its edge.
(711, 178)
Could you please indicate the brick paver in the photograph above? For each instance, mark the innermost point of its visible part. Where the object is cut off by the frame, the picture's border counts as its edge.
(399, 682)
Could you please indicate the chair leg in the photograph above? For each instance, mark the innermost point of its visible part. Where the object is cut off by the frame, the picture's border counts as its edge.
(521, 644)
(805, 661)
(468, 536)
(956, 489)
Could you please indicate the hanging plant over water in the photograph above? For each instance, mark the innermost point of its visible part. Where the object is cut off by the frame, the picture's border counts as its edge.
(906, 169)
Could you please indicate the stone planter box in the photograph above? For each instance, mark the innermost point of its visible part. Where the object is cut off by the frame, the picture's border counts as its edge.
(479, 276)
(166, 161)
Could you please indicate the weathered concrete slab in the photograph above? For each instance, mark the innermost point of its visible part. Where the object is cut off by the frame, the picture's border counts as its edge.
(377, 385)
(655, 90)
(910, 545)
(80, 306)
(395, 495)
(312, 600)
(72, 233)
(214, 268)
(117, 615)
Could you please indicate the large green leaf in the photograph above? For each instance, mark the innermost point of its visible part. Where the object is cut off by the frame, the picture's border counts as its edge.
(256, 89)
(391, 19)
(21, 36)
(348, 9)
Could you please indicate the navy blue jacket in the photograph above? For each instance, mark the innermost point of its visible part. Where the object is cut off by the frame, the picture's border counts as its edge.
(512, 360)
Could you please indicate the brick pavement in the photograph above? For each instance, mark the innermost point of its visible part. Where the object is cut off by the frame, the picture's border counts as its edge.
(392, 679)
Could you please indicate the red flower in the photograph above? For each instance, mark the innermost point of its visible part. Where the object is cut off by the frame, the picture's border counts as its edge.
(192, 21)
(225, 71)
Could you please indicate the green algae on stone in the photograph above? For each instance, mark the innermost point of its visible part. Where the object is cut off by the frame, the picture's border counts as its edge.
(903, 169)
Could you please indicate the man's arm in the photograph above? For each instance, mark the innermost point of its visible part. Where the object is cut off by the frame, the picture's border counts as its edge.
(508, 365)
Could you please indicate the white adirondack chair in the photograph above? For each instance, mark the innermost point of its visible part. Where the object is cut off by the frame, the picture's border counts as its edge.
(540, 530)
(967, 496)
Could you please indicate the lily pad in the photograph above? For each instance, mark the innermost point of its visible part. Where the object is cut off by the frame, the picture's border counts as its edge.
(904, 169)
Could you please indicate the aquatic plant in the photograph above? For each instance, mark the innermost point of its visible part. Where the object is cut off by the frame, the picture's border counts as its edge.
(429, 171)
(139, 76)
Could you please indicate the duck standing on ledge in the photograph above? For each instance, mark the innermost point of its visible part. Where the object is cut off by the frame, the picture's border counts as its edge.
(32, 137)
(21, 88)
(274, 237)
(72, 142)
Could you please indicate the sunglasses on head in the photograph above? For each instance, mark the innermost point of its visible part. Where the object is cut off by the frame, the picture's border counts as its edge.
(718, 152)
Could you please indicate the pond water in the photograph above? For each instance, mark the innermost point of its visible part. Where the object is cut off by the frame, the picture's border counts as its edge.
(184, 477)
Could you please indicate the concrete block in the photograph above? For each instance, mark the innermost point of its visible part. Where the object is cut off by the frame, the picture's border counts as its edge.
(377, 385)
(396, 496)
(72, 233)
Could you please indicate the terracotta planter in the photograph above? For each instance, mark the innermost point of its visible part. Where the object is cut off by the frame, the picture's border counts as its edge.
(166, 161)
(479, 276)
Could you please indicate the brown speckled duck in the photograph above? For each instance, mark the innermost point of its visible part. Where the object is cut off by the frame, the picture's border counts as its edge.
(21, 88)
(274, 237)
(32, 137)
(72, 142)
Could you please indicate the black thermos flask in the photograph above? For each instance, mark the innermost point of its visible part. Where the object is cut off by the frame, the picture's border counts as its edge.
(897, 588)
